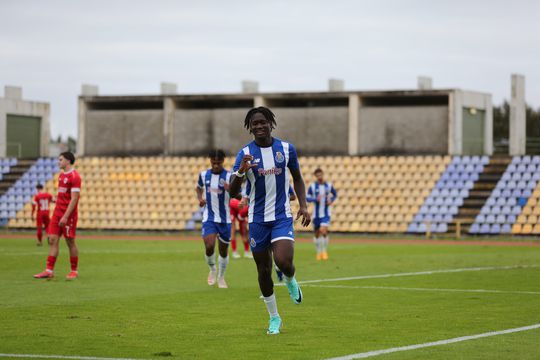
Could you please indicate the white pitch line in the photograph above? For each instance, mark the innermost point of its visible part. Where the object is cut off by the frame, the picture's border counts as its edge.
(429, 272)
(428, 289)
(434, 343)
(35, 356)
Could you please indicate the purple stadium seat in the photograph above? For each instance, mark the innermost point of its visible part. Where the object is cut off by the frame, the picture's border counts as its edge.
(495, 229)
(506, 229)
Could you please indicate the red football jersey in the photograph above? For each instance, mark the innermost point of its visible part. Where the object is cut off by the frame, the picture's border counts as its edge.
(68, 182)
(42, 201)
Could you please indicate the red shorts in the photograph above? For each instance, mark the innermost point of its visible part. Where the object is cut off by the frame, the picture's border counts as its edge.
(43, 219)
(239, 215)
(236, 212)
(68, 231)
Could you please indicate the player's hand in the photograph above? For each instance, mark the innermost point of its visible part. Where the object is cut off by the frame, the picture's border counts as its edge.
(63, 221)
(319, 197)
(202, 202)
(304, 214)
(245, 165)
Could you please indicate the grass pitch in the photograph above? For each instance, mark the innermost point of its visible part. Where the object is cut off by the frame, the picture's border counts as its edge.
(149, 300)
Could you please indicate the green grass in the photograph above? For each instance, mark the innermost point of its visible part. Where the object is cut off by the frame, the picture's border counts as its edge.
(140, 299)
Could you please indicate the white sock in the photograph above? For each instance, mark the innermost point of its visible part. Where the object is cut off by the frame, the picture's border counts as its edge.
(223, 261)
(271, 305)
(325, 243)
(319, 244)
(211, 261)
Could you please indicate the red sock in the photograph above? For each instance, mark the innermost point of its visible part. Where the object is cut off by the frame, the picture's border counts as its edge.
(74, 260)
(51, 260)
(39, 234)
(233, 244)
(246, 246)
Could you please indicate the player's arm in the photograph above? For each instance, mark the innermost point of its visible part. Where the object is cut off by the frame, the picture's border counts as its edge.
(310, 196)
(75, 195)
(199, 191)
(300, 190)
(334, 195)
(241, 166)
(292, 195)
(34, 204)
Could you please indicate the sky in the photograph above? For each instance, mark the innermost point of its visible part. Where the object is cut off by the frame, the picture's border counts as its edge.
(51, 48)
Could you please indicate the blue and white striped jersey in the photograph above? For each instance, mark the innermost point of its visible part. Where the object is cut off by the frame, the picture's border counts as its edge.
(217, 197)
(268, 182)
(320, 194)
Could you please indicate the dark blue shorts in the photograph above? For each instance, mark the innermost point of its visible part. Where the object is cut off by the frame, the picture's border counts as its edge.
(318, 222)
(223, 230)
(261, 235)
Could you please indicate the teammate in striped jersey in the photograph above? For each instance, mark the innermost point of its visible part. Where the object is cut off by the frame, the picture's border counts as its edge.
(213, 194)
(266, 163)
(323, 195)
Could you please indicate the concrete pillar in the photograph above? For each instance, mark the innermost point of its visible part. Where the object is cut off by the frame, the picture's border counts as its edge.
(13, 92)
(259, 101)
(425, 83)
(354, 112)
(89, 90)
(169, 108)
(336, 85)
(86, 90)
(518, 124)
(250, 87)
(455, 123)
(168, 88)
(81, 127)
(488, 126)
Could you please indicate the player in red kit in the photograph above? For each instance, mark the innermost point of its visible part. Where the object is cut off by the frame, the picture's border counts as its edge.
(41, 202)
(64, 219)
(239, 213)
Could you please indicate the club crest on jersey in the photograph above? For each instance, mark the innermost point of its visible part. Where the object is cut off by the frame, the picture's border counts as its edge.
(221, 182)
(279, 157)
(252, 242)
(65, 180)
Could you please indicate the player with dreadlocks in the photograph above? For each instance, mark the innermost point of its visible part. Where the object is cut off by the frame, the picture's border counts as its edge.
(213, 194)
(266, 163)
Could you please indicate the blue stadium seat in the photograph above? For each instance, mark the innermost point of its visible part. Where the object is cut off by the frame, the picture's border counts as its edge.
(495, 229)
(506, 229)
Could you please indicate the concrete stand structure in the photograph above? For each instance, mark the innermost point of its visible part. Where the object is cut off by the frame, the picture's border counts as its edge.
(24, 125)
(438, 122)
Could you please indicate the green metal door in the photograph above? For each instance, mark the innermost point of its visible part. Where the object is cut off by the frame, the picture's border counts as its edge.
(473, 132)
(23, 136)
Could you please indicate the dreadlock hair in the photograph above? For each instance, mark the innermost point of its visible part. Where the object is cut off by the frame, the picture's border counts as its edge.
(267, 113)
(216, 154)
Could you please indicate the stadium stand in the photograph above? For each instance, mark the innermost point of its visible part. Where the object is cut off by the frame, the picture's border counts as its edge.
(504, 206)
(17, 185)
(448, 195)
(376, 193)
(19, 195)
